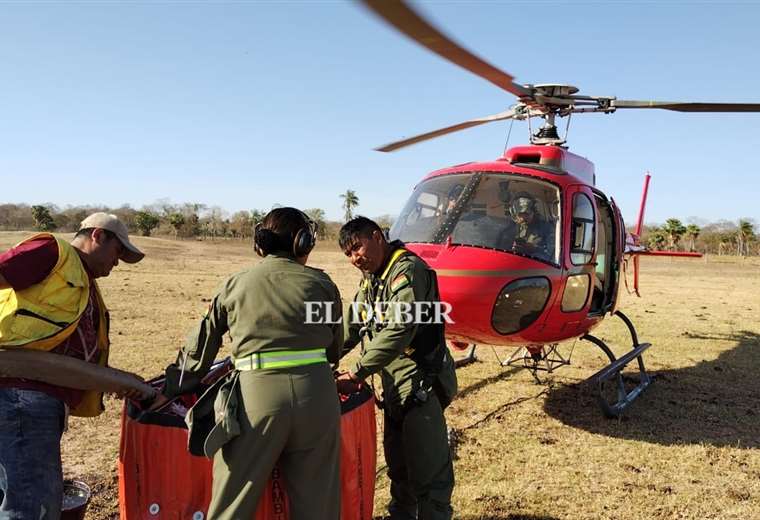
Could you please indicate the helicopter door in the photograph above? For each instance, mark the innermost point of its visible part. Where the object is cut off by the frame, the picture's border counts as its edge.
(619, 248)
(581, 239)
(608, 251)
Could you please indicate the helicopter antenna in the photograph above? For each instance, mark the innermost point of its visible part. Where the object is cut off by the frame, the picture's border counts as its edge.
(530, 129)
(567, 127)
(509, 133)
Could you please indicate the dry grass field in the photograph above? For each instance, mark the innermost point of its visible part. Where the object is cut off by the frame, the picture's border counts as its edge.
(689, 448)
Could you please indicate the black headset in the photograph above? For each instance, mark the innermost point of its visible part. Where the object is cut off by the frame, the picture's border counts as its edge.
(266, 241)
(521, 195)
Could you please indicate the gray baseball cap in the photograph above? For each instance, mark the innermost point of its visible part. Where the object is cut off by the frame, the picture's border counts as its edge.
(131, 254)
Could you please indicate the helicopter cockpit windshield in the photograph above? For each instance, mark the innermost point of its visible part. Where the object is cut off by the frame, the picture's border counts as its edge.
(511, 213)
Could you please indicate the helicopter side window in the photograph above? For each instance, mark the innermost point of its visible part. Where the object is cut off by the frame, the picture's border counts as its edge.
(426, 205)
(419, 216)
(583, 230)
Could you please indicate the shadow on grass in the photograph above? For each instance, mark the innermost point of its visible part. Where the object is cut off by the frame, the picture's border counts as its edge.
(714, 402)
(511, 516)
(482, 383)
(498, 516)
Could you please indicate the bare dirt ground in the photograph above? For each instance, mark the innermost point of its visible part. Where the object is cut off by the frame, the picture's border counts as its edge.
(689, 448)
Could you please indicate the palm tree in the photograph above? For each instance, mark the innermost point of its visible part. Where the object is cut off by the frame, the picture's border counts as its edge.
(744, 234)
(657, 238)
(350, 201)
(692, 231)
(675, 230)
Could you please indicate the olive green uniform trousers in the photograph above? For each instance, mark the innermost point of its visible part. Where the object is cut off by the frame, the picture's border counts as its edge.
(291, 417)
(419, 462)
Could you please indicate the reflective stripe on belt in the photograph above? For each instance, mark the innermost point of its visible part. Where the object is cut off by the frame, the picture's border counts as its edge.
(281, 359)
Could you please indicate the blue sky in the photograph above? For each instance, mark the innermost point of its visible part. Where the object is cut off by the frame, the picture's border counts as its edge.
(248, 104)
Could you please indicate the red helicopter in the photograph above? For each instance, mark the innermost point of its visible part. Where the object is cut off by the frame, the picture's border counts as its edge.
(528, 252)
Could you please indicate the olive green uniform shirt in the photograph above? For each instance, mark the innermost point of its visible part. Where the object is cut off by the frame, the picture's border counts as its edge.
(264, 309)
(409, 280)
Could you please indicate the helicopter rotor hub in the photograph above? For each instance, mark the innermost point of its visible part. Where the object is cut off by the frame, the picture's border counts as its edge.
(554, 90)
(546, 100)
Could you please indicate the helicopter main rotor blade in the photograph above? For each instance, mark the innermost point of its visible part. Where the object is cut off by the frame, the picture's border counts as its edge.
(508, 114)
(688, 107)
(409, 22)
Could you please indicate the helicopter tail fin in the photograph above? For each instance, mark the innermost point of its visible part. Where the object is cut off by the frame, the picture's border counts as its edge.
(642, 206)
(633, 247)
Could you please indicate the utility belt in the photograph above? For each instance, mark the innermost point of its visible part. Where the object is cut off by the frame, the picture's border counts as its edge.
(280, 359)
(429, 352)
(213, 420)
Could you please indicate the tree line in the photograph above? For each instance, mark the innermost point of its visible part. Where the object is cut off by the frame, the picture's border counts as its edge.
(194, 220)
(163, 218)
(721, 238)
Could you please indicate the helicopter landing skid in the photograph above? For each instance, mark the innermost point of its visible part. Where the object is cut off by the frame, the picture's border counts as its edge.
(610, 380)
(544, 358)
(467, 359)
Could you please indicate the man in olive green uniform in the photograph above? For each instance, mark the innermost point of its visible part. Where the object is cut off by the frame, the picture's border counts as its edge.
(281, 402)
(416, 368)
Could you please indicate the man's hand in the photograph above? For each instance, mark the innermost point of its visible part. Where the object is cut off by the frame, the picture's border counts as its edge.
(347, 383)
(524, 245)
(132, 386)
(160, 401)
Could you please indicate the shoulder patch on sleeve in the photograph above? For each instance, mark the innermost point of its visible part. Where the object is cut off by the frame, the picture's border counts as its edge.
(401, 281)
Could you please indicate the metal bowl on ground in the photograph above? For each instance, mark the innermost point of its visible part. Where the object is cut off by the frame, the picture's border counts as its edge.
(76, 496)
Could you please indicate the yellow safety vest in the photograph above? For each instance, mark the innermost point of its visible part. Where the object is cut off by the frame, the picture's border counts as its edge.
(44, 315)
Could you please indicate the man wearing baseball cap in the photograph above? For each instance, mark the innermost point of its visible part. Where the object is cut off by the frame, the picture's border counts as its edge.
(53, 355)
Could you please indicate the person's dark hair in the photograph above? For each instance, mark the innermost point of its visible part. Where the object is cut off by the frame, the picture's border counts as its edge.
(278, 230)
(86, 232)
(359, 227)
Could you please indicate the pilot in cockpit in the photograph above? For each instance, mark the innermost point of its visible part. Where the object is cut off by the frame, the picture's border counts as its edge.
(527, 232)
(451, 200)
